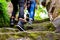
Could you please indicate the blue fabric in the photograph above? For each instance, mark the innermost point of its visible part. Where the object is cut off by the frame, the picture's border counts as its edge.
(32, 9)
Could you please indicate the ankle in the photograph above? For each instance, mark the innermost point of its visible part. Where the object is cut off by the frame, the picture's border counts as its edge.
(23, 20)
(12, 17)
(30, 19)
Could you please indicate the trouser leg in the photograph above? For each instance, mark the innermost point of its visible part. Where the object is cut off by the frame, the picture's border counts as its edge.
(21, 8)
(32, 9)
(15, 7)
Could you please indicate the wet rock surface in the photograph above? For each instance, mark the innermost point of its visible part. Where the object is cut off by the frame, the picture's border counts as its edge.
(32, 34)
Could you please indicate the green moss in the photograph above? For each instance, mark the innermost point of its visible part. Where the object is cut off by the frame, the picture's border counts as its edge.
(8, 0)
(4, 37)
(33, 35)
(44, 35)
(58, 12)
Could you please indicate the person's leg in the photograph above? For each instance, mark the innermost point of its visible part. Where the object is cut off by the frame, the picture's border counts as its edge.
(21, 9)
(32, 11)
(15, 9)
(20, 24)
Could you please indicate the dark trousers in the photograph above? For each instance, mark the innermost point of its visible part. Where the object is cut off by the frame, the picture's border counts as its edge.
(17, 3)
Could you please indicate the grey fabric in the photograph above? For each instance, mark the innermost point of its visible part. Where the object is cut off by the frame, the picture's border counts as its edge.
(15, 8)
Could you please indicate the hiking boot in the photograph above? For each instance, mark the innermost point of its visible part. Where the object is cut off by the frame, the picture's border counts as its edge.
(12, 21)
(20, 26)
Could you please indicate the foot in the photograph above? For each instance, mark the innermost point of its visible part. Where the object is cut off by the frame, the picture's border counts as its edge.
(20, 26)
(30, 21)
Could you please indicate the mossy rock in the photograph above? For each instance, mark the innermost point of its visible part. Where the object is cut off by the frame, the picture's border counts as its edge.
(44, 26)
(36, 35)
